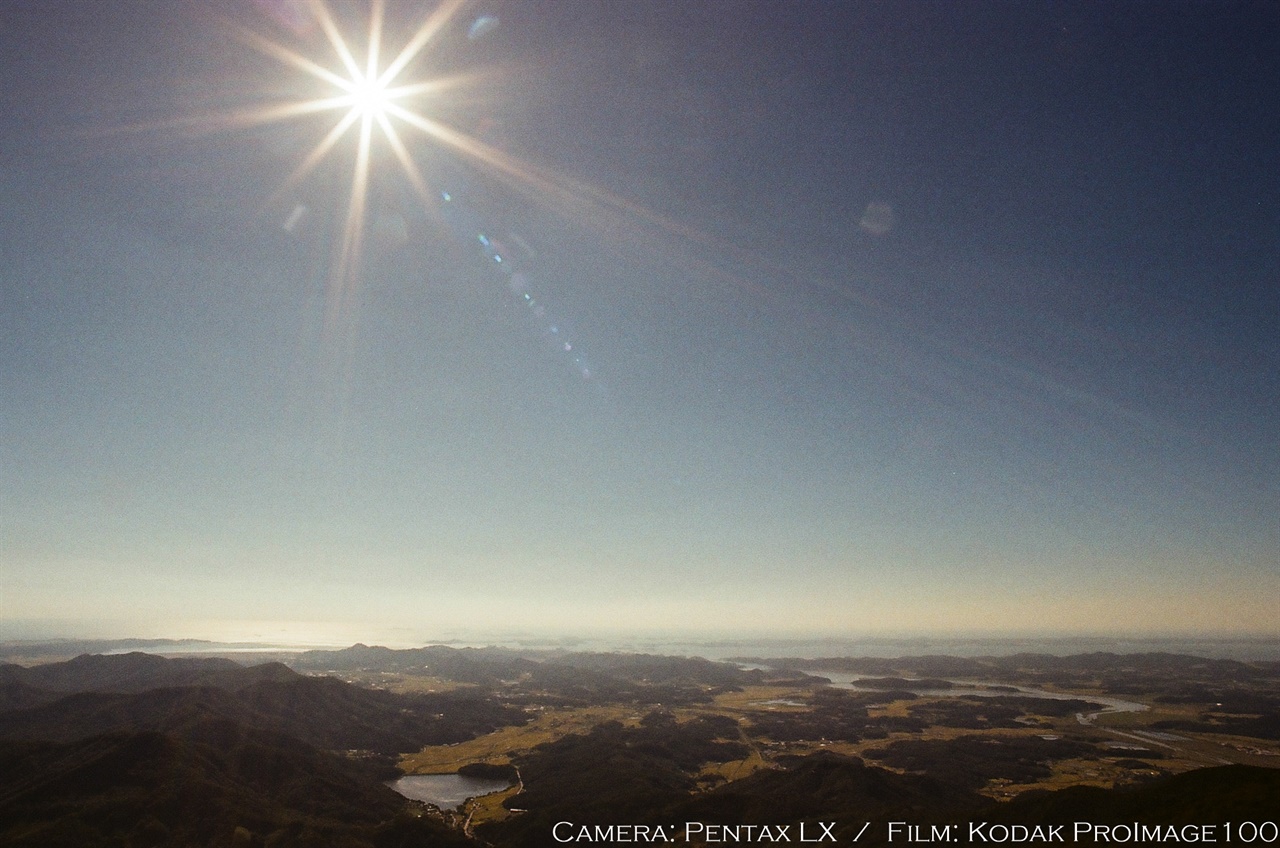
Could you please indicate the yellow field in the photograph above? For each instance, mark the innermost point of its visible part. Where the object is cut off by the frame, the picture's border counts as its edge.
(413, 684)
(394, 681)
(897, 709)
(497, 747)
(1192, 750)
(754, 698)
(488, 808)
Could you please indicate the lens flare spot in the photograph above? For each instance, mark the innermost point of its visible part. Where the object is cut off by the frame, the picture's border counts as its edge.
(482, 26)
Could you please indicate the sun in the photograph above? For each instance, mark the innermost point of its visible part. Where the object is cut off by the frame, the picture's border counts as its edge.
(373, 103)
(370, 97)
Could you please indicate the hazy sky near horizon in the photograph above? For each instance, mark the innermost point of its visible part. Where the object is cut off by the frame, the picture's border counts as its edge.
(770, 316)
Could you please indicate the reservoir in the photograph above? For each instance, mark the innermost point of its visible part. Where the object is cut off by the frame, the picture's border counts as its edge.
(446, 791)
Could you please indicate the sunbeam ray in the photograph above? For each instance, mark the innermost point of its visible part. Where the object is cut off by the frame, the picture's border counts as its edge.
(425, 33)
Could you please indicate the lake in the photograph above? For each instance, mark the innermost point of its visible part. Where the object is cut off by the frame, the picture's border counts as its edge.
(446, 791)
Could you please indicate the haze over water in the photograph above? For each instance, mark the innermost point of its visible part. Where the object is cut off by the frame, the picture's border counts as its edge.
(726, 648)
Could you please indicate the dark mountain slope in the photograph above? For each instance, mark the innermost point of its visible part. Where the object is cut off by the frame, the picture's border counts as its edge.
(243, 757)
(16, 695)
(28, 687)
(334, 714)
(223, 785)
(1226, 793)
(830, 787)
(86, 714)
(323, 712)
(613, 774)
(134, 672)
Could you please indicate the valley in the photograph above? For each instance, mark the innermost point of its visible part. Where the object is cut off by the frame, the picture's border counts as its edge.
(119, 747)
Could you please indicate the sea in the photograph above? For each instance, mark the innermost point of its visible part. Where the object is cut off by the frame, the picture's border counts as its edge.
(1257, 649)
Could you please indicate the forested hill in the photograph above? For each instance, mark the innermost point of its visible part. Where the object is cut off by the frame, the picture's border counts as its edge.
(218, 784)
(109, 694)
(141, 750)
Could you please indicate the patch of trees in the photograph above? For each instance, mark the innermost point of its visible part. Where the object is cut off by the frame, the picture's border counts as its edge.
(1224, 700)
(1259, 727)
(614, 773)
(972, 713)
(830, 787)
(1055, 707)
(1000, 711)
(590, 687)
(972, 761)
(661, 753)
(841, 715)
(489, 771)
(1130, 763)
(837, 715)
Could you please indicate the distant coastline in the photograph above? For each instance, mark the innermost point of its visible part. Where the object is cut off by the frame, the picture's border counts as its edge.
(1249, 649)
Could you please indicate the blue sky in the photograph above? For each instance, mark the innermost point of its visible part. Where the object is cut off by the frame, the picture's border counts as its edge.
(785, 317)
